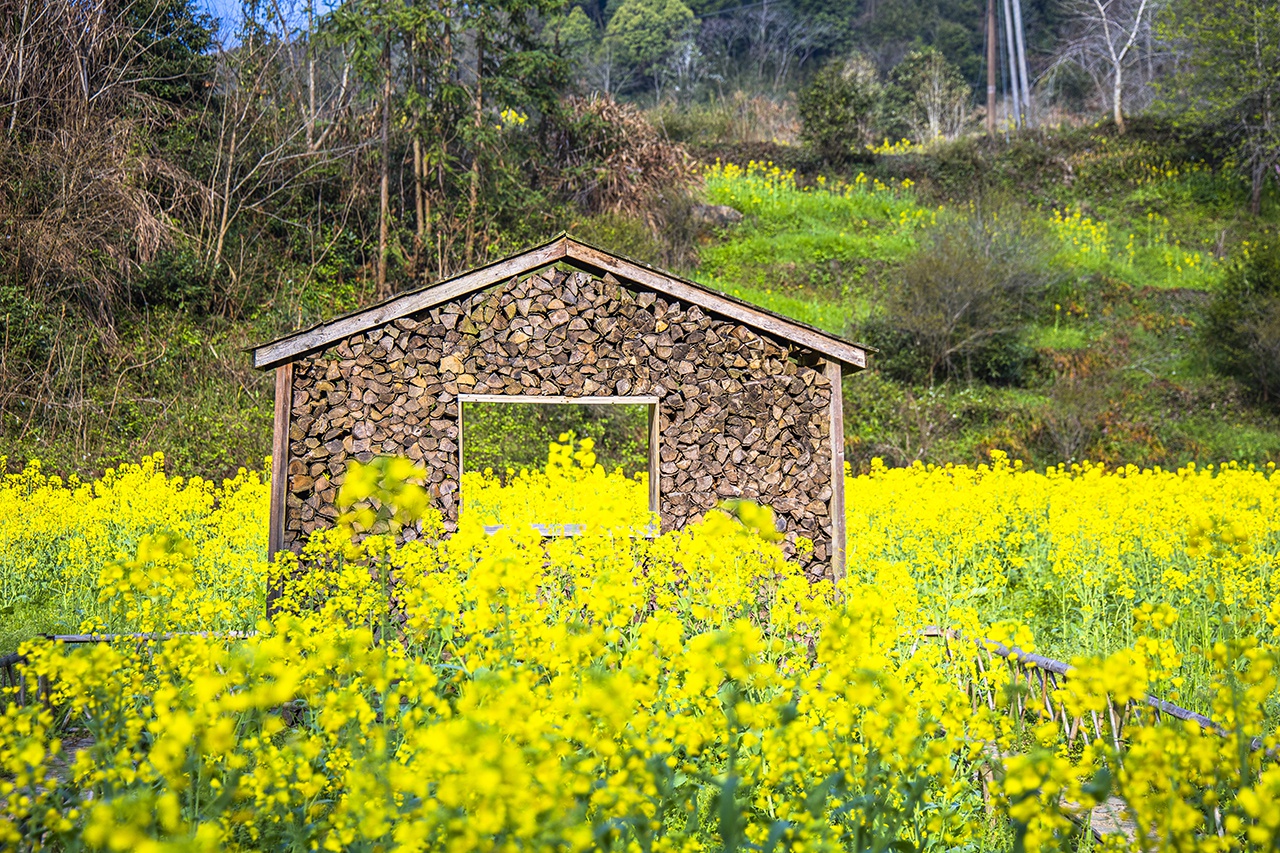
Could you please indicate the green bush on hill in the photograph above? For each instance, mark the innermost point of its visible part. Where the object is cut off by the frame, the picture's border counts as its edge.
(959, 306)
(1241, 330)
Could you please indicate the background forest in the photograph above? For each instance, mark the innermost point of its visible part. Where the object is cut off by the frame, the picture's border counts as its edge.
(1088, 271)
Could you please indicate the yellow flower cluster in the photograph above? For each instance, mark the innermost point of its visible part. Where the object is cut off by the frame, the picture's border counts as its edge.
(690, 691)
(1083, 234)
(1091, 558)
(761, 183)
(57, 535)
(509, 117)
(902, 146)
(600, 691)
(583, 492)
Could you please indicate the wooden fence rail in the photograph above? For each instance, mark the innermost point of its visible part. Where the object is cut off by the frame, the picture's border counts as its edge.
(14, 687)
(1036, 680)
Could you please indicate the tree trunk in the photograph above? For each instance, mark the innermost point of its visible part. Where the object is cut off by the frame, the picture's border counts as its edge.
(1258, 176)
(223, 221)
(1022, 62)
(22, 66)
(1013, 64)
(311, 76)
(419, 234)
(384, 198)
(991, 68)
(1117, 104)
(419, 203)
(473, 198)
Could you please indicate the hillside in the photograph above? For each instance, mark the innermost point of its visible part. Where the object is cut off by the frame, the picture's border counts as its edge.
(1126, 239)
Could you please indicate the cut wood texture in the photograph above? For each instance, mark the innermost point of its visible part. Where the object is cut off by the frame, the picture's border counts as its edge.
(740, 412)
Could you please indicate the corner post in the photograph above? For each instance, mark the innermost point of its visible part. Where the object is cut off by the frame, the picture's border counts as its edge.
(279, 468)
(655, 475)
(836, 507)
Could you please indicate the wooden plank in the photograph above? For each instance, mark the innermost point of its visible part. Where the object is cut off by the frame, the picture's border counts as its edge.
(307, 340)
(279, 469)
(655, 476)
(643, 400)
(838, 531)
(759, 319)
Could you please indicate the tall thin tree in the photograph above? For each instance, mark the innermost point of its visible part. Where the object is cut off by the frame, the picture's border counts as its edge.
(1013, 64)
(992, 38)
(384, 193)
(1019, 39)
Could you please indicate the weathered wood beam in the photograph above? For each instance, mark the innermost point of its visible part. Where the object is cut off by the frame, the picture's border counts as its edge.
(838, 532)
(308, 340)
(655, 475)
(279, 467)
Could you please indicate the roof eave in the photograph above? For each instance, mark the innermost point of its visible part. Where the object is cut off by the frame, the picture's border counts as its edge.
(559, 248)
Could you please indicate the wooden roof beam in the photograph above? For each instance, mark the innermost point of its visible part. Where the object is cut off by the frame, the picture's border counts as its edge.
(575, 253)
(289, 347)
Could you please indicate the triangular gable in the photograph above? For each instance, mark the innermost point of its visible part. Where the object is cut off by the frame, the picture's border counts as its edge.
(561, 248)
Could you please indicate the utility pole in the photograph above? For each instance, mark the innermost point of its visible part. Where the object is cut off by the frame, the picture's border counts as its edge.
(1022, 63)
(992, 37)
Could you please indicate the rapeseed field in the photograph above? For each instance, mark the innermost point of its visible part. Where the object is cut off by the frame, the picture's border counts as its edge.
(690, 691)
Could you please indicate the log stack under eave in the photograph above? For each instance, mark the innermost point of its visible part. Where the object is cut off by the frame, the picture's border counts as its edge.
(739, 416)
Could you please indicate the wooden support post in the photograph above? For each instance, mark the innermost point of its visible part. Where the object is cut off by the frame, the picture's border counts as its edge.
(837, 471)
(655, 475)
(279, 469)
(460, 403)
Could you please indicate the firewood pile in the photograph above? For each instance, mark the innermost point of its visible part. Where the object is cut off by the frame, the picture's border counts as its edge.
(740, 416)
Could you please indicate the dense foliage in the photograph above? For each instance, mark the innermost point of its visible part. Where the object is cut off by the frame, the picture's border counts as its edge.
(1241, 332)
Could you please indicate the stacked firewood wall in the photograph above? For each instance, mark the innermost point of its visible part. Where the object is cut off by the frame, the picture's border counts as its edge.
(739, 415)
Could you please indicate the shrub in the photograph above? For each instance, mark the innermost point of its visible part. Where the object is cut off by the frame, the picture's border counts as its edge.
(1241, 331)
(837, 108)
(607, 157)
(1073, 417)
(960, 305)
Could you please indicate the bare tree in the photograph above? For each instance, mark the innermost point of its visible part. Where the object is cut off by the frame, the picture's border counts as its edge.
(931, 97)
(777, 42)
(684, 68)
(758, 47)
(1110, 38)
(606, 74)
(1028, 105)
(942, 98)
(281, 105)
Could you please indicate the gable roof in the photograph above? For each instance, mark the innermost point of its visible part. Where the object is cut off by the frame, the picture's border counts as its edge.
(564, 249)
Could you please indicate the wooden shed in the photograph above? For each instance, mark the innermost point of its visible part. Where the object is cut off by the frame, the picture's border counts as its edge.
(745, 403)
